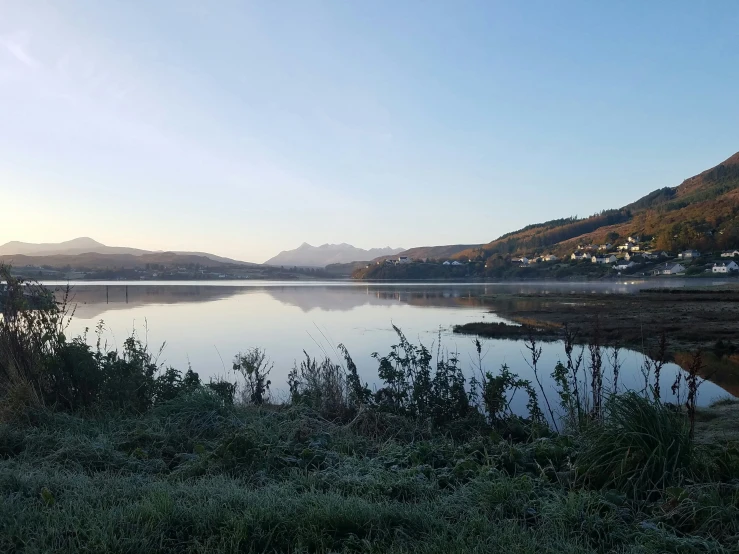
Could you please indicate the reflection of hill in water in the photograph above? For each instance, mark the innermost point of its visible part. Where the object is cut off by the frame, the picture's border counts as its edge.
(93, 300)
(327, 298)
(331, 298)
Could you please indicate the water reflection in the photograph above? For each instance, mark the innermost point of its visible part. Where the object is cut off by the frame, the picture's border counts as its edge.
(205, 325)
(95, 298)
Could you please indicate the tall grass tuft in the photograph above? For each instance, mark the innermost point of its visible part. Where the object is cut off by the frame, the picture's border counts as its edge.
(641, 446)
(322, 386)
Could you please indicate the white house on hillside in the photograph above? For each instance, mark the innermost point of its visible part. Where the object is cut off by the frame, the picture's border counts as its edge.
(670, 269)
(730, 254)
(404, 260)
(625, 247)
(455, 262)
(604, 260)
(607, 246)
(689, 255)
(725, 268)
(577, 256)
(624, 266)
(550, 258)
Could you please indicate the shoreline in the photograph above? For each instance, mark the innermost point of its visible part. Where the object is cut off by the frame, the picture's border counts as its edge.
(691, 320)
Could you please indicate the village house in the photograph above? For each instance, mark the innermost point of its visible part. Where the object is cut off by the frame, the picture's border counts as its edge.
(689, 255)
(624, 266)
(625, 247)
(633, 239)
(404, 260)
(670, 269)
(447, 263)
(579, 256)
(730, 254)
(604, 260)
(649, 255)
(523, 261)
(607, 246)
(455, 262)
(725, 268)
(550, 258)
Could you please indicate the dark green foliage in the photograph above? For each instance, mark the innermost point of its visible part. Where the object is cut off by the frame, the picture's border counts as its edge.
(321, 386)
(497, 391)
(435, 389)
(254, 367)
(225, 390)
(70, 375)
(654, 198)
(641, 446)
(359, 393)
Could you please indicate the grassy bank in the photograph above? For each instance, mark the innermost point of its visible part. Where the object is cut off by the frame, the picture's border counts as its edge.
(106, 451)
(196, 476)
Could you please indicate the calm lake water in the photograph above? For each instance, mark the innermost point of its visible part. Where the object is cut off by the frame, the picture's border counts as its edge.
(205, 324)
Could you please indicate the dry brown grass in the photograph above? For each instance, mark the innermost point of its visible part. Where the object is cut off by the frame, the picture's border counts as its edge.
(17, 397)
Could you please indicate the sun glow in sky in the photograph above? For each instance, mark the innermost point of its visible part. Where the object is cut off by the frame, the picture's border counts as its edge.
(245, 128)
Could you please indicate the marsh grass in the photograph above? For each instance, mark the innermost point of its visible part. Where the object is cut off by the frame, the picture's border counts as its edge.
(641, 446)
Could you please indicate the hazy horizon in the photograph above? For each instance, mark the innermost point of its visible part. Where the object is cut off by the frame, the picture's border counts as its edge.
(245, 129)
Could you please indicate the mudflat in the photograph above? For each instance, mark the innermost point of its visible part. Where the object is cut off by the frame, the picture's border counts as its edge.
(692, 319)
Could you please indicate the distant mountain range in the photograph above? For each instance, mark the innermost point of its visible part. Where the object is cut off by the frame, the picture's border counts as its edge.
(321, 256)
(91, 247)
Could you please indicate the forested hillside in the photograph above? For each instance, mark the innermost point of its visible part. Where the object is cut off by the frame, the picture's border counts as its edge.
(701, 213)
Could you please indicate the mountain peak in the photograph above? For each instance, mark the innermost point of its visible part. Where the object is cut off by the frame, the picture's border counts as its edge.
(83, 241)
(326, 254)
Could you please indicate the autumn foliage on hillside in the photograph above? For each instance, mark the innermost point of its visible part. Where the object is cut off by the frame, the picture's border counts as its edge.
(701, 213)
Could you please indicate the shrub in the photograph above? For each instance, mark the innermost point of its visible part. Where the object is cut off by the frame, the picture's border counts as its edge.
(254, 367)
(322, 386)
(39, 364)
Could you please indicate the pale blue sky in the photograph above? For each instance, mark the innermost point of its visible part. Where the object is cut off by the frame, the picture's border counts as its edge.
(245, 128)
